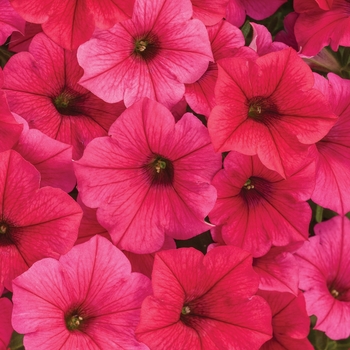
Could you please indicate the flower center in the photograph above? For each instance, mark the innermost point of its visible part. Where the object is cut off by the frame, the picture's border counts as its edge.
(261, 109)
(185, 310)
(74, 322)
(65, 102)
(147, 47)
(160, 170)
(248, 185)
(335, 293)
(3, 228)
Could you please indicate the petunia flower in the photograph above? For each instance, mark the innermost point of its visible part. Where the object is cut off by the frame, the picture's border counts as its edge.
(88, 299)
(42, 87)
(332, 153)
(34, 223)
(269, 107)
(290, 321)
(237, 10)
(71, 22)
(204, 302)
(151, 55)
(325, 276)
(256, 208)
(321, 23)
(150, 177)
(10, 21)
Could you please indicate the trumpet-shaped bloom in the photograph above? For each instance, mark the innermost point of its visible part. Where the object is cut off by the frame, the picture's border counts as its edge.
(204, 302)
(290, 321)
(332, 153)
(88, 299)
(325, 276)
(257, 208)
(150, 177)
(42, 87)
(269, 107)
(34, 223)
(71, 22)
(322, 23)
(10, 21)
(151, 55)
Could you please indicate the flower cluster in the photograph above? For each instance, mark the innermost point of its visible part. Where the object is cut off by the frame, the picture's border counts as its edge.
(133, 132)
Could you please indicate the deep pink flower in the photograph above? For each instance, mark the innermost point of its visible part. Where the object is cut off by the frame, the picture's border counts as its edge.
(150, 177)
(269, 107)
(89, 299)
(290, 321)
(19, 42)
(257, 208)
(52, 158)
(322, 23)
(210, 12)
(325, 276)
(204, 302)
(71, 22)
(42, 87)
(225, 40)
(258, 9)
(5, 322)
(262, 40)
(278, 271)
(35, 223)
(332, 153)
(151, 55)
(10, 21)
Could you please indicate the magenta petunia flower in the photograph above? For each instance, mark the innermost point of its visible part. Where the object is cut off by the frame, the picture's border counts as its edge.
(88, 299)
(257, 208)
(332, 153)
(204, 302)
(5, 322)
(34, 223)
(71, 22)
(278, 271)
(150, 177)
(210, 12)
(225, 40)
(269, 107)
(10, 21)
(325, 276)
(258, 9)
(52, 158)
(42, 87)
(290, 321)
(322, 23)
(151, 55)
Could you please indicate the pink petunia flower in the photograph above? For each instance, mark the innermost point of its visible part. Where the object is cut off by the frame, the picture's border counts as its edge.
(257, 208)
(10, 21)
(269, 107)
(151, 55)
(237, 10)
(290, 321)
(88, 299)
(332, 153)
(325, 276)
(52, 158)
(322, 23)
(34, 223)
(150, 177)
(210, 12)
(71, 22)
(204, 302)
(42, 87)
(5, 322)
